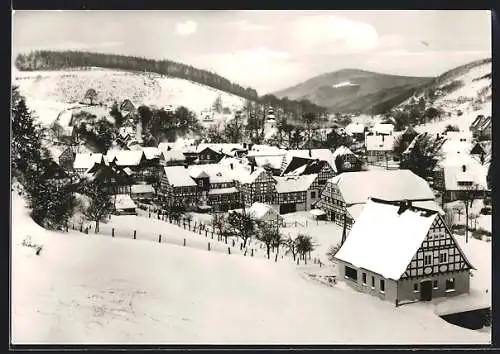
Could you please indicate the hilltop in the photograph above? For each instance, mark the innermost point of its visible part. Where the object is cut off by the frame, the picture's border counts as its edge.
(352, 90)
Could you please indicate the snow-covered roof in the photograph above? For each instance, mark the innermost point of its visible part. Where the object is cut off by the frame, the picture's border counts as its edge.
(220, 148)
(262, 211)
(151, 152)
(357, 187)
(141, 189)
(265, 149)
(342, 150)
(319, 154)
(178, 176)
(55, 152)
(274, 161)
(174, 154)
(197, 172)
(288, 184)
(355, 128)
(317, 212)
(223, 191)
(125, 157)
(123, 201)
(474, 172)
(378, 246)
(86, 160)
(383, 128)
(379, 142)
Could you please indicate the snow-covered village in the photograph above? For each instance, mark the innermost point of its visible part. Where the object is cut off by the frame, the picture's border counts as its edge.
(164, 191)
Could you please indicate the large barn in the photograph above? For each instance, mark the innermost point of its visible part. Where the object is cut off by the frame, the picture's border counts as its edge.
(410, 256)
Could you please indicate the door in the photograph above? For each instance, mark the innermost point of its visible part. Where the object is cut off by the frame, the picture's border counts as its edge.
(287, 208)
(426, 290)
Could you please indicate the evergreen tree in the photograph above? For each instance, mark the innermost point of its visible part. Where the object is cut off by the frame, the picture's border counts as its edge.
(117, 115)
(423, 156)
(26, 138)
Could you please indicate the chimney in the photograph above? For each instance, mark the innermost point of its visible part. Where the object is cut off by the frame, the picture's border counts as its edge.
(310, 152)
(244, 145)
(231, 165)
(252, 168)
(463, 168)
(403, 206)
(185, 165)
(169, 148)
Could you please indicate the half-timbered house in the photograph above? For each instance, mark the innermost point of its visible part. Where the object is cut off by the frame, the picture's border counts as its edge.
(112, 177)
(402, 253)
(255, 185)
(177, 186)
(84, 161)
(344, 195)
(345, 160)
(456, 177)
(296, 193)
(379, 148)
(311, 154)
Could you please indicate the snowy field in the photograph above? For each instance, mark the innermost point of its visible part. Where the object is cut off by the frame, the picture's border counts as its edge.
(85, 289)
(50, 92)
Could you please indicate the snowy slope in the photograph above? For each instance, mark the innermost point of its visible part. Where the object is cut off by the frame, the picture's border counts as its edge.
(85, 289)
(46, 89)
(471, 99)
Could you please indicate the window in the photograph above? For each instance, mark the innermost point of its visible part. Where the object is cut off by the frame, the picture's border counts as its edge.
(373, 282)
(382, 285)
(415, 287)
(435, 284)
(351, 273)
(313, 194)
(363, 277)
(450, 284)
(443, 257)
(428, 259)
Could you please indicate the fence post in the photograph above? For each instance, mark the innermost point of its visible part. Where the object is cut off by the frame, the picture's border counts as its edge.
(209, 246)
(233, 242)
(113, 232)
(135, 234)
(252, 252)
(158, 216)
(81, 227)
(87, 230)
(206, 231)
(229, 250)
(241, 246)
(159, 239)
(184, 242)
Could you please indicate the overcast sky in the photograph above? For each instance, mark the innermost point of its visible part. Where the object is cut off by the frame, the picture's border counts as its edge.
(269, 50)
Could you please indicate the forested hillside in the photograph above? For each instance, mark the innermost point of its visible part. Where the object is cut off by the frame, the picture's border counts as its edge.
(52, 60)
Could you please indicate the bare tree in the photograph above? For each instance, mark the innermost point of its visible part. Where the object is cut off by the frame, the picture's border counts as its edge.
(242, 224)
(291, 246)
(101, 204)
(467, 196)
(269, 234)
(220, 224)
(332, 251)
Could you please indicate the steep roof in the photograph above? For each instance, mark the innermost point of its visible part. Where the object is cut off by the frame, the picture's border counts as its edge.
(151, 153)
(379, 142)
(474, 172)
(355, 128)
(123, 201)
(126, 157)
(141, 189)
(288, 184)
(178, 176)
(383, 128)
(86, 160)
(272, 160)
(261, 211)
(300, 166)
(379, 246)
(357, 187)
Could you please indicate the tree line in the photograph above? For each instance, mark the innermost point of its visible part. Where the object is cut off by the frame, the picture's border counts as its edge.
(58, 60)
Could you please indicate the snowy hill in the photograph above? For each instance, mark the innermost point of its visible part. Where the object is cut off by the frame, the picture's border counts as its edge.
(47, 91)
(95, 289)
(462, 105)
